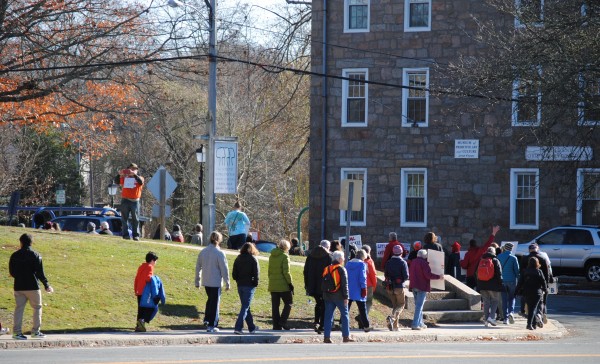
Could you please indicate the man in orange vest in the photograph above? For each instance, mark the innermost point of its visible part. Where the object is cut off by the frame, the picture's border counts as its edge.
(131, 192)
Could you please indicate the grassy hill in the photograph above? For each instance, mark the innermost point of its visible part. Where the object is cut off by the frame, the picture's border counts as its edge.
(92, 276)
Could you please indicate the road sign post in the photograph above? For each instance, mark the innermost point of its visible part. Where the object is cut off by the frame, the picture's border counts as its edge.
(161, 186)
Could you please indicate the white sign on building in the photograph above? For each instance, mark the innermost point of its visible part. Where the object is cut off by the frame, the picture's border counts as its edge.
(226, 163)
(563, 154)
(466, 148)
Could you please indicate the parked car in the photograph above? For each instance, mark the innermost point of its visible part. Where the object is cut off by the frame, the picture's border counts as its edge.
(78, 223)
(571, 249)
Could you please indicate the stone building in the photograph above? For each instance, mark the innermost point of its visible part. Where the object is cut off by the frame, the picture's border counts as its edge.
(429, 162)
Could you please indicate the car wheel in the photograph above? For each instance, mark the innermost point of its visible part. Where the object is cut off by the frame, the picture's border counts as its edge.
(592, 271)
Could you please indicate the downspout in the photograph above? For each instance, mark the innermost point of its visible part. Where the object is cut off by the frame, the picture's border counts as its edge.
(324, 124)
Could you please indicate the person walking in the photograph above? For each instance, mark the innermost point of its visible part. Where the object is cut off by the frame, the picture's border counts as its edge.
(473, 255)
(396, 273)
(489, 284)
(336, 298)
(212, 270)
(510, 277)
(357, 288)
(387, 253)
(316, 261)
(430, 241)
(280, 285)
(420, 276)
(197, 235)
(131, 192)
(371, 277)
(238, 224)
(246, 272)
(545, 267)
(144, 274)
(533, 285)
(25, 266)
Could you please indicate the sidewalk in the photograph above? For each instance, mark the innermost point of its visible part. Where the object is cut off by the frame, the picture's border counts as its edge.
(441, 332)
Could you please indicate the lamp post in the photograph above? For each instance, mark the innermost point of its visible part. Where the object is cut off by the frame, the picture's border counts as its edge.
(201, 158)
(212, 112)
(112, 191)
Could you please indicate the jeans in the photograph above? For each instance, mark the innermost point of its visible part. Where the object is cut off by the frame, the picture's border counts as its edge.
(280, 320)
(129, 207)
(490, 303)
(246, 294)
(362, 312)
(211, 312)
(508, 298)
(419, 303)
(329, 310)
(35, 301)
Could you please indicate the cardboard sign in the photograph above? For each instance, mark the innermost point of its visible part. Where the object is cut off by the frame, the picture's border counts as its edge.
(380, 249)
(436, 263)
(354, 239)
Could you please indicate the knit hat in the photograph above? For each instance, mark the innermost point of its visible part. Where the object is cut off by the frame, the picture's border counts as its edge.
(397, 250)
(456, 247)
(417, 245)
(508, 247)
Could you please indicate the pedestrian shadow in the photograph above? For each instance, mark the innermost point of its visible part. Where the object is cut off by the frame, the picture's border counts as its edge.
(189, 311)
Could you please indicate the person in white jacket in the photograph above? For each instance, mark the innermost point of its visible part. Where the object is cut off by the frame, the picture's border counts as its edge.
(212, 270)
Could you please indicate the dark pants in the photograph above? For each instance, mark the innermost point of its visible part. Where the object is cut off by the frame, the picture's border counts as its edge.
(471, 282)
(279, 321)
(534, 303)
(319, 310)
(211, 312)
(362, 312)
(145, 313)
(246, 294)
(236, 241)
(129, 207)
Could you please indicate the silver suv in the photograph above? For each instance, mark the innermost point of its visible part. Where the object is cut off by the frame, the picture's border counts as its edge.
(572, 249)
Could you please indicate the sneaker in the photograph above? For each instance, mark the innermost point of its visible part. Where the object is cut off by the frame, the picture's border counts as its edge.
(545, 318)
(212, 329)
(140, 326)
(37, 335)
(417, 328)
(238, 332)
(19, 337)
(486, 324)
(368, 329)
(348, 340)
(256, 328)
(135, 238)
(505, 322)
(540, 324)
(511, 318)
(390, 323)
(423, 327)
(491, 321)
(4, 330)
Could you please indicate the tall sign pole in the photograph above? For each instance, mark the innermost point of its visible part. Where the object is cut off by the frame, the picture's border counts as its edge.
(212, 126)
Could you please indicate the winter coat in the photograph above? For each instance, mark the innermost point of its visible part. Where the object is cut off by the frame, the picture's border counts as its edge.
(532, 283)
(471, 259)
(510, 267)
(279, 271)
(396, 272)
(153, 293)
(316, 262)
(494, 284)
(211, 267)
(433, 246)
(357, 279)
(420, 275)
(25, 265)
(544, 267)
(342, 293)
(371, 273)
(246, 270)
(388, 252)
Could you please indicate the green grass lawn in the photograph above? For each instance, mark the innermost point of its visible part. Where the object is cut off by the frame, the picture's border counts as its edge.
(92, 276)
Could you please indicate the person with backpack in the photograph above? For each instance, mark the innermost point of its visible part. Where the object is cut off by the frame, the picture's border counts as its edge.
(316, 262)
(396, 273)
(510, 276)
(335, 294)
(473, 255)
(489, 283)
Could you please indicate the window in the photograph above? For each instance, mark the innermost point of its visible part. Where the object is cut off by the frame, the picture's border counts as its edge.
(527, 103)
(415, 97)
(413, 197)
(417, 15)
(588, 196)
(357, 218)
(529, 12)
(589, 105)
(355, 94)
(356, 16)
(524, 198)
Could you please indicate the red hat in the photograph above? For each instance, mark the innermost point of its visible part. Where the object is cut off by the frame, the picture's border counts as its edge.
(417, 245)
(456, 247)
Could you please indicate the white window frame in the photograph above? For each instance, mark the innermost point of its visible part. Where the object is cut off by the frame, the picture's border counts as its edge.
(582, 119)
(345, 85)
(405, 93)
(347, 29)
(404, 172)
(515, 106)
(514, 173)
(407, 27)
(581, 172)
(519, 24)
(344, 172)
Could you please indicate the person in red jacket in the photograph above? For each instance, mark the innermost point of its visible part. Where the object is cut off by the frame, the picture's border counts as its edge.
(131, 193)
(371, 277)
(473, 256)
(389, 248)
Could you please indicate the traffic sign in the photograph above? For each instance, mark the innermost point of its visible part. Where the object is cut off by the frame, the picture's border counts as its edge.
(154, 184)
(61, 197)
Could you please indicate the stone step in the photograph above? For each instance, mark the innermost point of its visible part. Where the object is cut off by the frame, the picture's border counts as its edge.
(453, 316)
(440, 295)
(450, 304)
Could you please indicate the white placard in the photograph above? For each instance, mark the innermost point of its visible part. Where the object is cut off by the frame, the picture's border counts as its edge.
(463, 271)
(226, 163)
(354, 239)
(380, 249)
(436, 263)
(128, 182)
(466, 148)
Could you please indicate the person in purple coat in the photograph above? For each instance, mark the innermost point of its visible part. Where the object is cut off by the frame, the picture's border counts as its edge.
(420, 276)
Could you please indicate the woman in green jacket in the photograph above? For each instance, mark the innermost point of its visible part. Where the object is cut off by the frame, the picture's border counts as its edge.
(280, 284)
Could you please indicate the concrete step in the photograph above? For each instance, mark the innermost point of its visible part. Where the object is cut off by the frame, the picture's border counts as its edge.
(440, 295)
(453, 316)
(450, 304)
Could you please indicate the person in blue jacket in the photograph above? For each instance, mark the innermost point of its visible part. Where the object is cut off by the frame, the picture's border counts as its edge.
(357, 287)
(510, 277)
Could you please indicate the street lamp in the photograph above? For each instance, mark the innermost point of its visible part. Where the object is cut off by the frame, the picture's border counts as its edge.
(212, 111)
(112, 191)
(201, 158)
